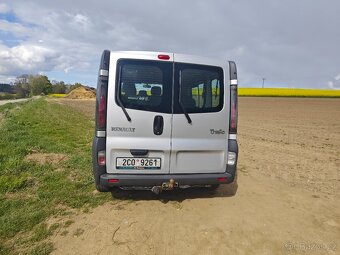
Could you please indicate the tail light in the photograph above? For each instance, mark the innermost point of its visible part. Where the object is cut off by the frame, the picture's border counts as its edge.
(233, 110)
(101, 99)
(102, 112)
(113, 180)
(101, 158)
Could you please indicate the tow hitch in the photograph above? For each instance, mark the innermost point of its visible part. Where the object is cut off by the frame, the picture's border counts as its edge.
(170, 185)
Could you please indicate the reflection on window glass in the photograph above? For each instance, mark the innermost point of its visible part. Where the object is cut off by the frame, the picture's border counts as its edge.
(142, 85)
(215, 93)
(201, 90)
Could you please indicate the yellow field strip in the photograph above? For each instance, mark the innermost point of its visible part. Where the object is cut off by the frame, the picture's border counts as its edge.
(283, 92)
(57, 95)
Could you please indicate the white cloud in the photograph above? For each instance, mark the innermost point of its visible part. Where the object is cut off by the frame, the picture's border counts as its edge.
(62, 40)
(14, 28)
(4, 8)
(335, 83)
(7, 79)
(25, 58)
(266, 39)
(81, 20)
(331, 85)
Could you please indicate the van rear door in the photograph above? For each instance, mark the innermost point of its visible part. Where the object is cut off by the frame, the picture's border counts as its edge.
(139, 113)
(200, 120)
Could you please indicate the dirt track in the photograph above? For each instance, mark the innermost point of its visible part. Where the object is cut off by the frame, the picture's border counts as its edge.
(287, 201)
(2, 102)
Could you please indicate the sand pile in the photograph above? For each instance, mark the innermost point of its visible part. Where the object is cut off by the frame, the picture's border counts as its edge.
(82, 93)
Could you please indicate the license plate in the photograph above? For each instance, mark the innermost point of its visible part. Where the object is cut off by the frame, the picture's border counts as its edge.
(138, 163)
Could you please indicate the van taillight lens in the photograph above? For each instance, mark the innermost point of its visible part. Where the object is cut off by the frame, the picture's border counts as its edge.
(101, 158)
(233, 110)
(113, 180)
(102, 112)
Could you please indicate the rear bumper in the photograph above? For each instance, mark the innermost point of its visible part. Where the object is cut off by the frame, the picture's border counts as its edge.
(157, 180)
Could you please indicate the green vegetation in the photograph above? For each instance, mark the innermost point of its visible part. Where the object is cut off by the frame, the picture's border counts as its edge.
(33, 85)
(40, 84)
(285, 92)
(32, 192)
(6, 96)
(59, 88)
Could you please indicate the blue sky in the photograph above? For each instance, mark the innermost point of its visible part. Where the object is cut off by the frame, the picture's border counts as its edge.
(290, 43)
(10, 39)
(9, 16)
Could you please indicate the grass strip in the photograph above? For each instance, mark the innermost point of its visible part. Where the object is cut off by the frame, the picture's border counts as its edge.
(32, 192)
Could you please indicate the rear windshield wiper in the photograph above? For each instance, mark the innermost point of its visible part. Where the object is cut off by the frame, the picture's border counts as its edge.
(180, 99)
(118, 95)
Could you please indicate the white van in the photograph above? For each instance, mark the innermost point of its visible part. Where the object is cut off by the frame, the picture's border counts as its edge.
(164, 120)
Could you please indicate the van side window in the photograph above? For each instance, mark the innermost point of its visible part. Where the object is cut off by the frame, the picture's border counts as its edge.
(145, 85)
(201, 88)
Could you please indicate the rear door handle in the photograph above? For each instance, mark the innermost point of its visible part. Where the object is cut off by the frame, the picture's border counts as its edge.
(158, 124)
(139, 152)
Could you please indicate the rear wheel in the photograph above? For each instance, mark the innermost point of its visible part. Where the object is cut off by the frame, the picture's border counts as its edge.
(120, 193)
(102, 188)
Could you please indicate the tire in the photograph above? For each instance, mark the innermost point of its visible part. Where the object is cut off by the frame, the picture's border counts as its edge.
(102, 188)
(118, 193)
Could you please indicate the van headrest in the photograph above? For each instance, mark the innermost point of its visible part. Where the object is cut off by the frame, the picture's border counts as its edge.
(142, 93)
(129, 89)
(156, 91)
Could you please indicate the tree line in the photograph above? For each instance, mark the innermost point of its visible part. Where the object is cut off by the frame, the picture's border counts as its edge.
(33, 85)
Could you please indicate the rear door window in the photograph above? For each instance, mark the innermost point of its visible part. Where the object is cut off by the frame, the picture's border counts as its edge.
(199, 88)
(145, 85)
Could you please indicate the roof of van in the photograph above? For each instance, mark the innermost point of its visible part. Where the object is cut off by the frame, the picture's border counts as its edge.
(178, 57)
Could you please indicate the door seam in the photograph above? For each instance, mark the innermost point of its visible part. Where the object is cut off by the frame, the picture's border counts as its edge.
(172, 109)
